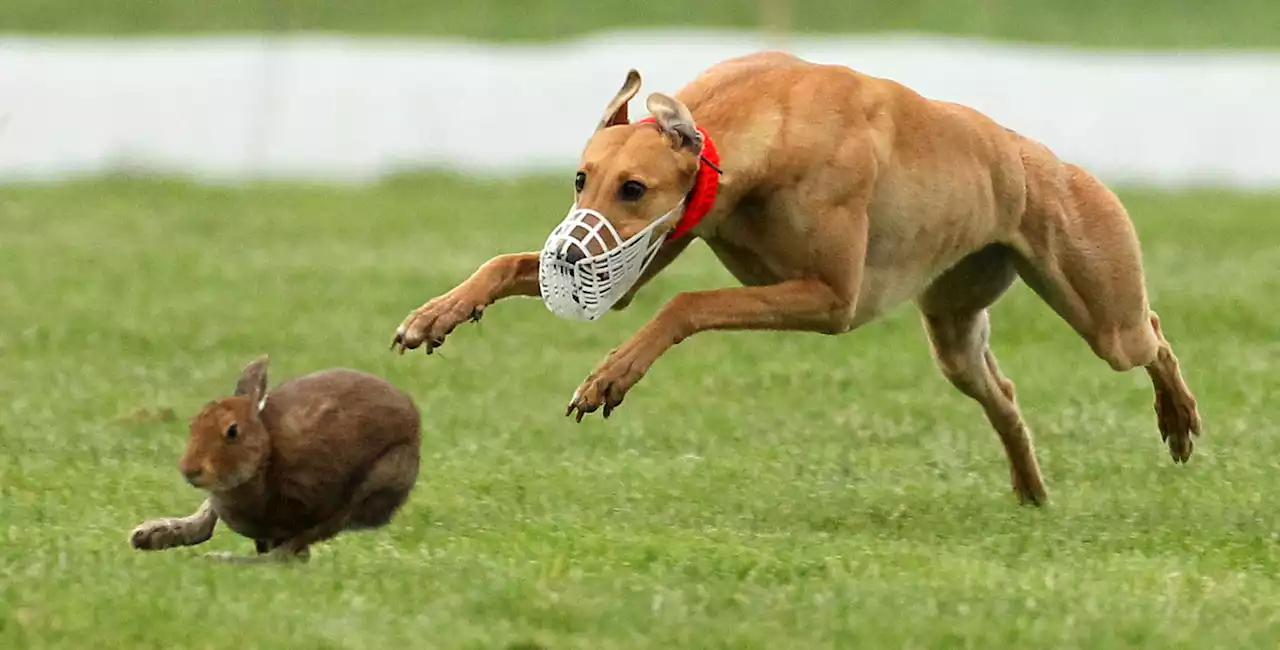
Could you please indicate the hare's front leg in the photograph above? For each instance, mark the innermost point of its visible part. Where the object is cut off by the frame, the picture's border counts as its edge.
(160, 534)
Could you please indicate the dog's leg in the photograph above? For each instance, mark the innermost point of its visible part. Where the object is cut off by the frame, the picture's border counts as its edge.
(502, 277)
(1081, 255)
(514, 274)
(1176, 412)
(960, 347)
(954, 312)
(795, 305)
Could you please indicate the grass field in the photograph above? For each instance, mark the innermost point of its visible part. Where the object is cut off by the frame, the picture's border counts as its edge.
(755, 491)
(1135, 23)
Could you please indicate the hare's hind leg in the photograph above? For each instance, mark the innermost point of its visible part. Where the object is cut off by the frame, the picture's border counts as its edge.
(373, 503)
(170, 532)
(386, 488)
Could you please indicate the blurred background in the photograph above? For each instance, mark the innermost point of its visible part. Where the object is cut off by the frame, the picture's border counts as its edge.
(1176, 92)
(1167, 24)
(762, 490)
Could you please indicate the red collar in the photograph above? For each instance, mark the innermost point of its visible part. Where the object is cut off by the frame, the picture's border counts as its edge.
(705, 186)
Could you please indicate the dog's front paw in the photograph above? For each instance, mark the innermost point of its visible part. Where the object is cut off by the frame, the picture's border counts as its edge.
(429, 324)
(605, 388)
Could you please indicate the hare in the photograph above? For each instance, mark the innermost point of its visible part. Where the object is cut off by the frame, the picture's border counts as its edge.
(323, 453)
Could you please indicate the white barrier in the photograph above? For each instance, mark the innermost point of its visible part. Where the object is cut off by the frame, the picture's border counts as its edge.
(354, 108)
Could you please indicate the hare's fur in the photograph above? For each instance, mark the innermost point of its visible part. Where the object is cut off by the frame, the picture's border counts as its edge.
(326, 452)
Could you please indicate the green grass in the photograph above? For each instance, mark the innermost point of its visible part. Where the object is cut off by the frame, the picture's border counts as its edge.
(755, 491)
(1135, 23)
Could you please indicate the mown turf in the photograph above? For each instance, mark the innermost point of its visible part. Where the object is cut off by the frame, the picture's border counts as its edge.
(755, 491)
(1135, 23)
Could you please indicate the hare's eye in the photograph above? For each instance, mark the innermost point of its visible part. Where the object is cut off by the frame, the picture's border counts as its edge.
(232, 431)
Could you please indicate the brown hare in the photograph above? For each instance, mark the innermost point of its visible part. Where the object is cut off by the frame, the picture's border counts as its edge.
(323, 453)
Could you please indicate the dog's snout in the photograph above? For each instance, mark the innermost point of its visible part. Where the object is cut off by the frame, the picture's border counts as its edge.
(573, 254)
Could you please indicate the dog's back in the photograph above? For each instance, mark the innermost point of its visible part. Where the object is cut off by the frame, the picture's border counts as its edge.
(945, 179)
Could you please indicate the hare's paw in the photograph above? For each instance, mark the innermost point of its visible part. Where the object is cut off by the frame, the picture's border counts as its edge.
(160, 534)
(283, 554)
(228, 557)
(277, 555)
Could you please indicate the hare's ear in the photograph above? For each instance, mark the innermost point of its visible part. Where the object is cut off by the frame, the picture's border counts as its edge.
(616, 112)
(674, 118)
(253, 382)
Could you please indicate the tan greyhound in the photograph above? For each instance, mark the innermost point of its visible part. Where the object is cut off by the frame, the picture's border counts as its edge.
(834, 196)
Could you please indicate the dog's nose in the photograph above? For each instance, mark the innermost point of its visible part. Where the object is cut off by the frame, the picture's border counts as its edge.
(573, 254)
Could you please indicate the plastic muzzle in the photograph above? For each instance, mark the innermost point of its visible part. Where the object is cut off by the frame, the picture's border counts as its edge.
(585, 267)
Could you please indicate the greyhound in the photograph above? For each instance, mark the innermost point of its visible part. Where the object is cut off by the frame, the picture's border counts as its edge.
(834, 196)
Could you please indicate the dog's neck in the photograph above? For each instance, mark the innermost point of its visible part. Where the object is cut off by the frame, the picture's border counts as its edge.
(706, 185)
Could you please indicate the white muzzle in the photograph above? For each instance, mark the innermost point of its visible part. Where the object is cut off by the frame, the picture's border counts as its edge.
(585, 267)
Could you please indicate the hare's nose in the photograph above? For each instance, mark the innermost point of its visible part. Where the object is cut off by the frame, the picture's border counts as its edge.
(191, 474)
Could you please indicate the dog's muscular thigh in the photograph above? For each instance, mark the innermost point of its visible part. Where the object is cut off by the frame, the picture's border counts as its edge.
(1079, 251)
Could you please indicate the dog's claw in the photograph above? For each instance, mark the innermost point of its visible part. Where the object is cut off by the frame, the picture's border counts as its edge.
(429, 325)
(398, 339)
(595, 395)
(431, 344)
(580, 410)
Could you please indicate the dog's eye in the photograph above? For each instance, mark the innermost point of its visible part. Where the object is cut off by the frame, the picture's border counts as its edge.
(580, 181)
(631, 190)
(232, 431)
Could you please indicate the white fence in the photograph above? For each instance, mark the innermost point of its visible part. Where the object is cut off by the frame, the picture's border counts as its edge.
(351, 109)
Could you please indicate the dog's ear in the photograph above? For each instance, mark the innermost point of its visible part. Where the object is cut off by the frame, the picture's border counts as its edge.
(616, 112)
(674, 118)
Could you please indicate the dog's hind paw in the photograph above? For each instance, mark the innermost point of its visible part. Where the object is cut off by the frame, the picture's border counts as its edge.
(1179, 420)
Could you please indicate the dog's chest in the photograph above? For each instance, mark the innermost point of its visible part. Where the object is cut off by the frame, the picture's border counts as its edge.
(760, 246)
(767, 243)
